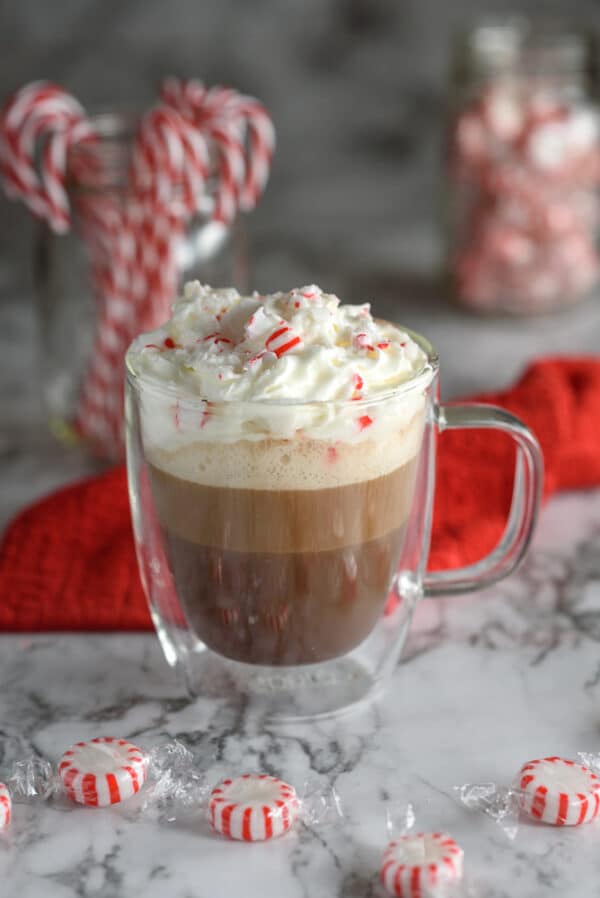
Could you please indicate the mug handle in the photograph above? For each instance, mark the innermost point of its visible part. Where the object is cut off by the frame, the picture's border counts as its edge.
(527, 492)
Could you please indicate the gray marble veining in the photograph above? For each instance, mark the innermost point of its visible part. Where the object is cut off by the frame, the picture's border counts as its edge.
(486, 683)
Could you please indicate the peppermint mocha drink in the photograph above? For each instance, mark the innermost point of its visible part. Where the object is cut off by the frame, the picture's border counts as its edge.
(283, 504)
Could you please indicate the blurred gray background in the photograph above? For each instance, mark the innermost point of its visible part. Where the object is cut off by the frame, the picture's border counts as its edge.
(357, 90)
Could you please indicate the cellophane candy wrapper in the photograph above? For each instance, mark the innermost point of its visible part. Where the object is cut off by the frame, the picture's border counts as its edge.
(501, 803)
(320, 804)
(591, 760)
(32, 778)
(176, 785)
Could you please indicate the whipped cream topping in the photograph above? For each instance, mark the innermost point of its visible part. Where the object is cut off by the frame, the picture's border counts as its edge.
(302, 345)
(291, 389)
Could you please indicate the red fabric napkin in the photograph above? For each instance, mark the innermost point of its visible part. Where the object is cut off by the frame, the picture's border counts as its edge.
(68, 562)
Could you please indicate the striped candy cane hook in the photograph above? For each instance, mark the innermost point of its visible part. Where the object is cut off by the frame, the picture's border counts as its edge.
(41, 116)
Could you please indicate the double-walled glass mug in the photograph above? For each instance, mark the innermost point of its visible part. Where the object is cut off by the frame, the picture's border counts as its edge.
(269, 545)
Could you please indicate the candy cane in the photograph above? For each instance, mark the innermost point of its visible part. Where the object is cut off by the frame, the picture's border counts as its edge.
(41, 111)
(132, 244)
(261, 136)
(242, 133)
(169, 152)
(167, 185)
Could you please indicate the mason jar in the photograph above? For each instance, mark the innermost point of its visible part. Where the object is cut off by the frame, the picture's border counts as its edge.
(522, 167)
(71, 289)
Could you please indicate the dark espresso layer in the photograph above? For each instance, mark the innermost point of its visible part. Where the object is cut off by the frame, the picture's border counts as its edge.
(284, 608)
(283, 577)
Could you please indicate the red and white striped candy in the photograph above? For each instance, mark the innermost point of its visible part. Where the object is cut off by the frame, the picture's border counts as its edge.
(420, 864)
(253, 807)
(5, 806)
(102, 771)
(282, 340)
(241, 132)
(38, 124)
(560, 792)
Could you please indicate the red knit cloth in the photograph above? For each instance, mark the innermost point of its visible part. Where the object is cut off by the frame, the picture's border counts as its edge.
(68, 562)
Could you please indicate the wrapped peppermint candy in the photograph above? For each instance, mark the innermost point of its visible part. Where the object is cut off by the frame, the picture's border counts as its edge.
(108, 771)
(256, 807)
(555, 791)
(421, 864)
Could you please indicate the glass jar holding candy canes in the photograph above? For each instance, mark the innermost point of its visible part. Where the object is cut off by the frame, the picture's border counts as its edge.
(523, 168)
(130, 206)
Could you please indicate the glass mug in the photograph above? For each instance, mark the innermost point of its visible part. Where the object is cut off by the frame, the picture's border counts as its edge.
(268, 547)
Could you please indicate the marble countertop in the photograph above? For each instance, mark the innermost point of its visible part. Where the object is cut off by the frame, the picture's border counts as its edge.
(487, 682)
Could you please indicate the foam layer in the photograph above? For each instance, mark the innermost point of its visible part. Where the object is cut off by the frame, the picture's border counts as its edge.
(288, 522)
(292, 464)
